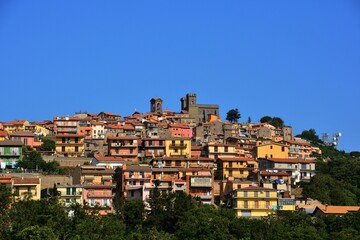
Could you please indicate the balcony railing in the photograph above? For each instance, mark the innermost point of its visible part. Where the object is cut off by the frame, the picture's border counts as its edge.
(257, 206)
(124, 145)
(178, 145)
(99, 194)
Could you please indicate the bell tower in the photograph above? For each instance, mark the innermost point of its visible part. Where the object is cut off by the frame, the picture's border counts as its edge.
(156, 105)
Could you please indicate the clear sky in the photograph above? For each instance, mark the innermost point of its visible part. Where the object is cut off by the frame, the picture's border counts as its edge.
(299, 60)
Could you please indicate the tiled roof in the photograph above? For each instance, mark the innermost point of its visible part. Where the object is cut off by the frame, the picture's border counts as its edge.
(3, 133)
(110, 114)
(22, 134)
(257, 188)
(70, 135)
(10, 143)
(236, 159)
(26, 180)
(108, 158)
(16, 122)
(338, 209)
(122, 138)
(291, 160)
(200, 159)
(267, 173)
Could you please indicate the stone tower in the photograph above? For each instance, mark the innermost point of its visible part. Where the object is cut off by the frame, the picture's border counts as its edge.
(156, 105)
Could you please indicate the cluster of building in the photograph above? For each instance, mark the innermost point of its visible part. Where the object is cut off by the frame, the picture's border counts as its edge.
(250, 165)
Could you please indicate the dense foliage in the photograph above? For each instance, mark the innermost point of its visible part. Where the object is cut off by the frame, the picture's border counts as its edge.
(275, 121)
(34, 161)
(337, 181)
(171, 216)
(233, 115)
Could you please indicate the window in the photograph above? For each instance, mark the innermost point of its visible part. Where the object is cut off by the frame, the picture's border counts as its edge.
(256, 204)
(271, 147)
(76, 140)
(25, 141)
(150, 142)
(92, 202)
(215, 149)
(131, 174)
(246, 205)
(68, 191)
(161, 143)
(245, 193)
(132, 193)
(141, 174)
(267, 193)
(230, 164)
(230, 173)
(283, 149)
(141, 183)
(67, 200)
(74, 191)
(256, 194)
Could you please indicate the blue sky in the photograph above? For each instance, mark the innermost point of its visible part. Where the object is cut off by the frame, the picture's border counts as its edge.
(299, 60)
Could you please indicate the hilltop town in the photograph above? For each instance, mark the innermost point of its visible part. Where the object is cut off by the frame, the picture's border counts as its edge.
(255, 169)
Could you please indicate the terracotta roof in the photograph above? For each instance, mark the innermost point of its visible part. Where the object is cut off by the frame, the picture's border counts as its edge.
(338, 209)
(108, 158)
(16, 122)
(164, 169)
(200, 159)
(122, 138)
(11, 143)
(22, 134)
(70, 135)
(109, 113)
(64, 118)
(257, 188)
(3, 133)
(297, 142)
(291, 160)
(138, 168)
(267, 173)
(26, 180)
(97, 123)
(236, 159)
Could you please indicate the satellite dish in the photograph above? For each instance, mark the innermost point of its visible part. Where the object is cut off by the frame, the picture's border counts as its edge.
(339, 134)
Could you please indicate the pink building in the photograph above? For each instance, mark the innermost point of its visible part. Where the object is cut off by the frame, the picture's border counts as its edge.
(125, 147)
(28, 138)
(180, 130)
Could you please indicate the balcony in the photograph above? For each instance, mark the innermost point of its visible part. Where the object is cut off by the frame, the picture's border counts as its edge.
(178, 145)
(259, 206)
(146, 176)
(99, 194)
(134, 154)
(124, 145)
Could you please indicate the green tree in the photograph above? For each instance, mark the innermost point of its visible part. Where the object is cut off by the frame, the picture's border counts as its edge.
(277, 122)
(310, 135)
(48, 145)
(233, 115)
(265, 119)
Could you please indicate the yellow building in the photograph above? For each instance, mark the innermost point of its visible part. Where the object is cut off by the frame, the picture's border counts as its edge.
(217, 150)
(271, 150)
(236, 167)
(14, 126)
(70, 145)
(27, 188)
(255, 201)
(176, 147)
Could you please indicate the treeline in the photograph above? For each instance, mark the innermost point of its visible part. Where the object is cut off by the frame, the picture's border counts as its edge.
(337, 181)
(166, 216)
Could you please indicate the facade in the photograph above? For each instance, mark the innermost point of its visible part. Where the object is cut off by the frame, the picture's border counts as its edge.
(97, 185)
(255, 201)
(125, 147)
(27, 138)
(17, 125)
(26, 187)
(134, 179)
(70, 194)
(153, 147)
(271, 150)
(70, 145)
(66, 125)
(218, 150)
(178, 147)
(3, 135)
(298, 169)
(236, 167)
(107, 161)
(10, 153)
(98, 130)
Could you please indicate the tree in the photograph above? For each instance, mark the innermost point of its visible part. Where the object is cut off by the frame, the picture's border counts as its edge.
(266, 119)
(48, 145)
(249, 119)
(277, 122)
(310, 135)
(233, 115)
